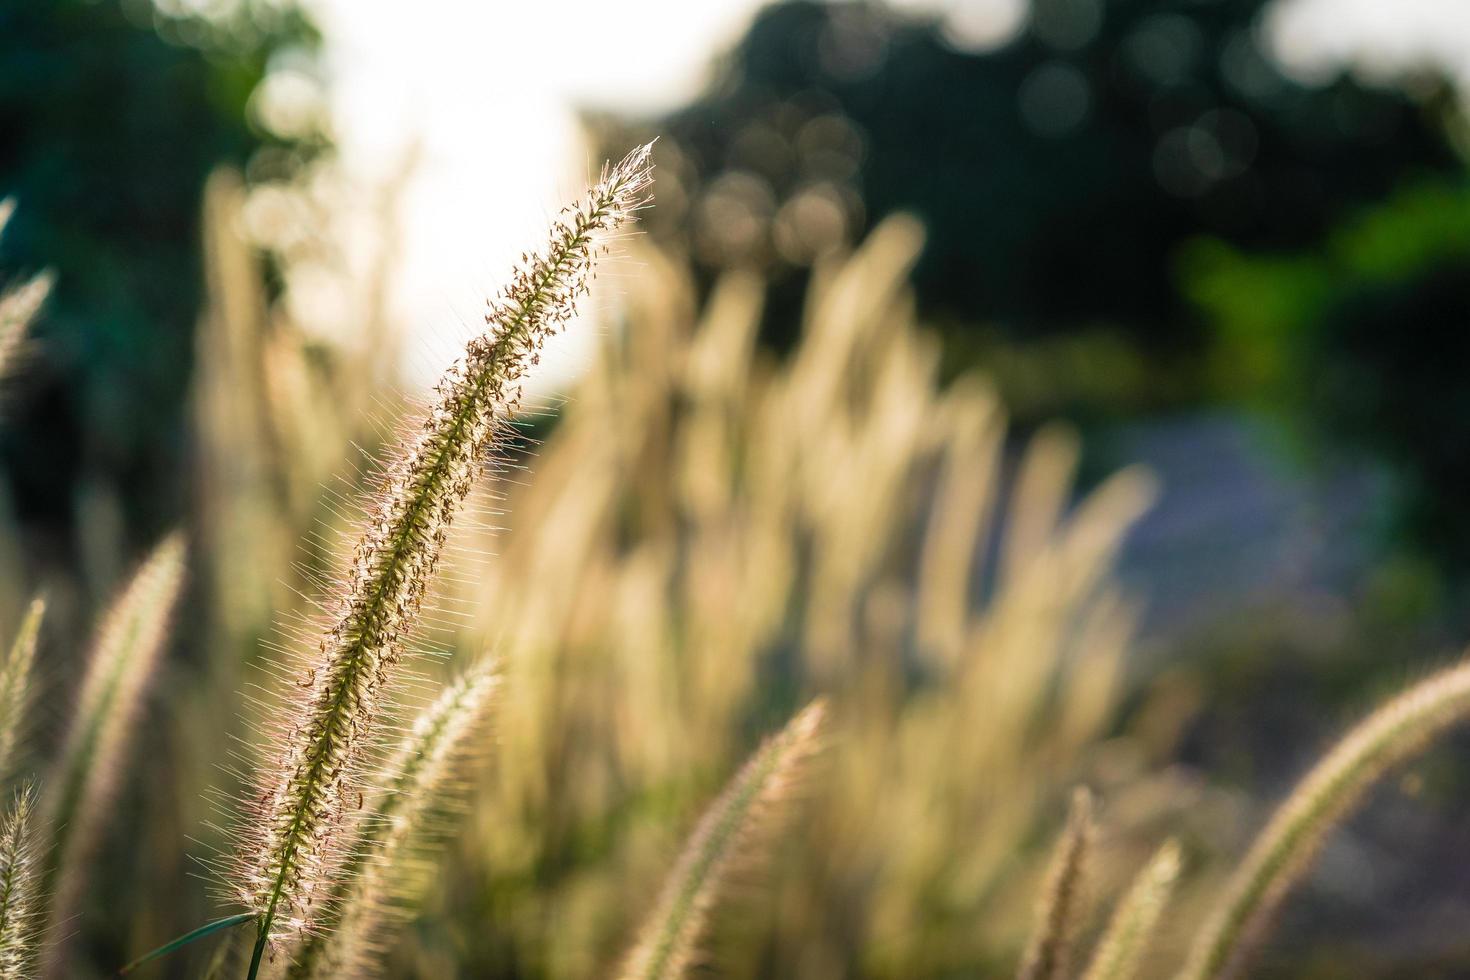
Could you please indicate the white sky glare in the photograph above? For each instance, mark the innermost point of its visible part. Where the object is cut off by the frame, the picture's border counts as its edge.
(490, 90)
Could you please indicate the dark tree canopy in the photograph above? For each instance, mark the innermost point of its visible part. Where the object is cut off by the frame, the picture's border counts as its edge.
(1358, 340)
(111, 116)
(1057, 175)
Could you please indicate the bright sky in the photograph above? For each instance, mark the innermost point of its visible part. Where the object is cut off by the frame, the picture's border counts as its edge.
(490, 91)
(1379, 37)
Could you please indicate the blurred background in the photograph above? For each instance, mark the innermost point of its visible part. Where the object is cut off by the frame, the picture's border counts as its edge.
(1078, 381)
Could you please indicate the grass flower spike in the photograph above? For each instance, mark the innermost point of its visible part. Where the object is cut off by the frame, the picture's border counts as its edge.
(18, 884)
(1132, 925)
(15, 683)
(1050, 949)
(420, 784)
(85, 779)
(732, 829)
(1285, 849)
(288, 859)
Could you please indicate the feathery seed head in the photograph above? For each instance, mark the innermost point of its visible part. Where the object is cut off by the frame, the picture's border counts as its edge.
(429, 757)
(1132, 925)
(15, 682)
(421, 783)
(289, 859)
(736, 826)
(124, 655)
(1061, 902)
(18, 883)
(1285, 849)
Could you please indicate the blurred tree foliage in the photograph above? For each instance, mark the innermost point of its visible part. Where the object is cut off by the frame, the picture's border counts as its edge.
(1058, 174)
(111, 116)
(1361, 339)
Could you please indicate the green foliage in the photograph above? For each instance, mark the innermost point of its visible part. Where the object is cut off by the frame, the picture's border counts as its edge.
(1359, 341)
(113, 114)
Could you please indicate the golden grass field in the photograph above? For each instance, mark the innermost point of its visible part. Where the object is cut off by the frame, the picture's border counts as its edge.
(631, 593)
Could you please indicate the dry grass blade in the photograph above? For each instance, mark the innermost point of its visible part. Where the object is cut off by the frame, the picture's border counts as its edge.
(1132, 925)
(19, 876)
(288, 857)
(15, 683)
(1285, 849)
(87, 775)
(732, 829)
(18, 307)
(1048, 954)
(421, 783)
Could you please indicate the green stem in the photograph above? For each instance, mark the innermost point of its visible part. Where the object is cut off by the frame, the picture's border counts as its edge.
(260, 941)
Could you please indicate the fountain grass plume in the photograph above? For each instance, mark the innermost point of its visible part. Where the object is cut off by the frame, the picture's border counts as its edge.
(1050, 948)
(15, 683)
(289, 854)
(1285, 849)
(85, 779)
(19, 880)
(1132, 926)
(421, 784)
(736, 827)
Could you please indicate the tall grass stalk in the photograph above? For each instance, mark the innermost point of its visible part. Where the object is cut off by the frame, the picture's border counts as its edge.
(732, 829)
(18, 887)
(1285, 849)
(1132, 926)
(423, 781)
(15, 683)
(85, 779)
(288, 858)
(1049, 953)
